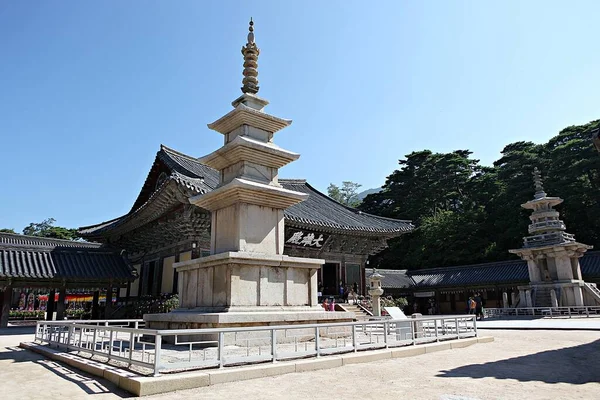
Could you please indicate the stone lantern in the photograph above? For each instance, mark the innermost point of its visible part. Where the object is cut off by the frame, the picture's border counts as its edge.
(375, 290)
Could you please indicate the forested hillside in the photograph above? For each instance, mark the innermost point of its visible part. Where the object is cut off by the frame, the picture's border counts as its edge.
(468, 213)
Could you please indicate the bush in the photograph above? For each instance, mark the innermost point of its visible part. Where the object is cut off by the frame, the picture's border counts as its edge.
(389, 301)
(152, 305)
(24, 314)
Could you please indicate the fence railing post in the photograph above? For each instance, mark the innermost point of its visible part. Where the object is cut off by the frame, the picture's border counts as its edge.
(385, 333)
(157, 351)
(110, 344)
(94, 341)
(131, 347)
(221, 345)
(457, 328)
(435, 324)
(274, 344)
(354, 342)
(412, 331)
(317, 342)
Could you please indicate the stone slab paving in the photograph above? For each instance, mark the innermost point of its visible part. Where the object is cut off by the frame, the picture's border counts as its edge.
(542, 323)
(517, 365)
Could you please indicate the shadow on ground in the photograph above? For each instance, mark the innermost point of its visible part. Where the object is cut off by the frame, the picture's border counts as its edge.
(575, 365)
(17, 330)
(87, 383)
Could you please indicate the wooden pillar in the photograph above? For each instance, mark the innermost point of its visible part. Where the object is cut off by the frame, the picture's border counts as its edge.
(128, 293)
(60, 307)
(363, 279)
(50, 307)
(5, 308)
(108, 309)
(96, 305)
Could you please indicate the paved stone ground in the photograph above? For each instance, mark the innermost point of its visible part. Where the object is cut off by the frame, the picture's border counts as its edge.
(519, 364)
(591, 323)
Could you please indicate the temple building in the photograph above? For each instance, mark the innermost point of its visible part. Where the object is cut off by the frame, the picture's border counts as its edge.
(163, 228)
(30, 264)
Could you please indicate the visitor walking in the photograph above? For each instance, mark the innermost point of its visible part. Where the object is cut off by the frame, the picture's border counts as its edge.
(478, 306)
(471, 305)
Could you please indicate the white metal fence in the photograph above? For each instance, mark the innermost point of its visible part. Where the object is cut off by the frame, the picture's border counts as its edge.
(552, 312)
(155, 351)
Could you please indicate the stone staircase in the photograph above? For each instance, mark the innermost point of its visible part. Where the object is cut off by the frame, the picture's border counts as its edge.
(592, 291)
(361, 314)
(542, 298)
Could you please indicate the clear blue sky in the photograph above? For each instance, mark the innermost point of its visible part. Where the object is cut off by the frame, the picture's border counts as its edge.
(89, 90)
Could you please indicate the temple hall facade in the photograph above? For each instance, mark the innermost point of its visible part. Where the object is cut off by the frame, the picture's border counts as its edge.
(163, 228)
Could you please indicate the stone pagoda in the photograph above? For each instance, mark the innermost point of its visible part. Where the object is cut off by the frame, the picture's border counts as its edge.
(247, 280)
(552, 257)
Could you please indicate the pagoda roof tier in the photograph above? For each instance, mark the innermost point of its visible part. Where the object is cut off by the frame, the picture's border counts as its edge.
(532, 204)
(250, 192)
(184, 176)
(244, 148)
(244, 115)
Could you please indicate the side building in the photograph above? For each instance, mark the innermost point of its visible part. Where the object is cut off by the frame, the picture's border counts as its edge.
(30, 265)
(449, 288)
(163, 228)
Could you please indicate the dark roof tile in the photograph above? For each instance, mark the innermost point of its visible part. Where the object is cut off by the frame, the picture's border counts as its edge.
(28, 257)
(319, 210)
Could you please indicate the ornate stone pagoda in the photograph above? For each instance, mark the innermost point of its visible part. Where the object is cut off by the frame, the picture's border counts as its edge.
(247, 279)
(552, 257)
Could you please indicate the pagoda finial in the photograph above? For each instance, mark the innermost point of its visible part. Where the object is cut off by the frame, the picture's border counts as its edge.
(537, 183)
(250, 52)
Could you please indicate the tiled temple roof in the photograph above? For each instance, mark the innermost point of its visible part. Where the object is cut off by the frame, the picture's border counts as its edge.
(318, 211)
(392, 278)
(496, 273)
(467, 275)
(26, 258)
(321, 211)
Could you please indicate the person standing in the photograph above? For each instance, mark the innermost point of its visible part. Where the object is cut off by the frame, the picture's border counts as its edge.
(471, 305)
(478, 306)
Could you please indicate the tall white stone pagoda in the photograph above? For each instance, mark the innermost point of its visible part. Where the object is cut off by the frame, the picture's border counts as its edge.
(552, 257)
(247, 280)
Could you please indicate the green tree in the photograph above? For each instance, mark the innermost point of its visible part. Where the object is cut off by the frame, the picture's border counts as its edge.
(346, 195)
(425, 184)
(46, 228)
(466, 213)
(7, 230)
(573, 174)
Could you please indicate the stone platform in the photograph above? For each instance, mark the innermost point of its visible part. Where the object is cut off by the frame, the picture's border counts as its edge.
(243, 318)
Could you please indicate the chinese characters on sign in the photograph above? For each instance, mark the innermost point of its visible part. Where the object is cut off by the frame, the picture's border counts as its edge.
(306, 239)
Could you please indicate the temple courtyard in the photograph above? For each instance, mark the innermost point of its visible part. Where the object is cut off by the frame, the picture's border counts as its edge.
(532, 364)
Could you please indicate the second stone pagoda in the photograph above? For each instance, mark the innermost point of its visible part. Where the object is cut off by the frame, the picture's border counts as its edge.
(247, 280)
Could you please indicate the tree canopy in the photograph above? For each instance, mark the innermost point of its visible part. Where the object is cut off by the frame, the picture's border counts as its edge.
(47, 229)
(468, 213)
(346, 195)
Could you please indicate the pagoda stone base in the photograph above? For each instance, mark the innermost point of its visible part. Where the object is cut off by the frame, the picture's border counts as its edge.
(568, 293)
(232, 319)
(243, 289)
